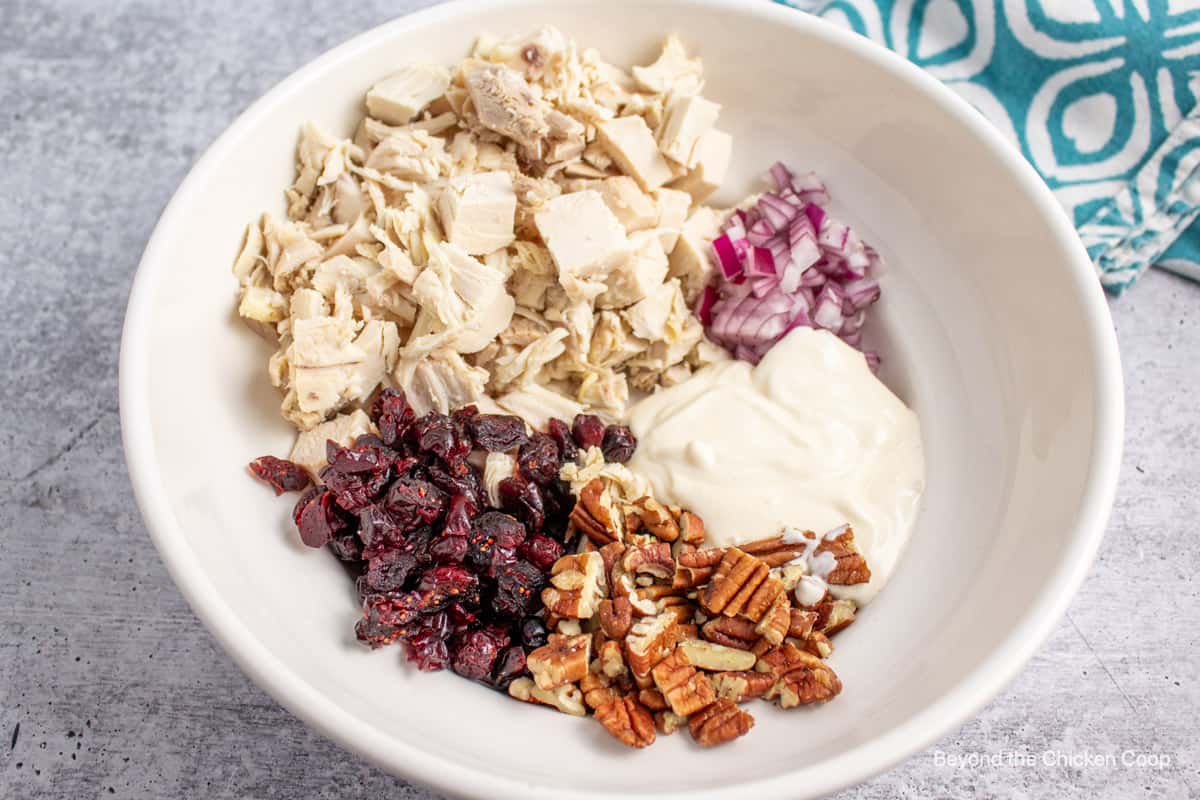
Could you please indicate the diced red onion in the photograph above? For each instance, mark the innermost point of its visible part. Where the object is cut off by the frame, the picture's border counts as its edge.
(785, 264)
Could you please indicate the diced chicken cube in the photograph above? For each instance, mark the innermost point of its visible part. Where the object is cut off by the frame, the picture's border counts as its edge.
(691, 259)
(673, 208)
(308, 304)
(411, 155)
(634, 208)
(496, 468)
(261, 304)
(323, 342)
(350, 274)
(380, 344)
(399, 97)
(482, 288)
(631, 145)
(440, 382)
(506, 104)
(673, 71)
(639, 275)
(477, 212)
(688, 118)
(713, 153)
(583, 236)
(648, 317)
(309, 450)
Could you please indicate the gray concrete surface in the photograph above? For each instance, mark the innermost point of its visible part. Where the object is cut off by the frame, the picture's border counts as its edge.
(108, 684)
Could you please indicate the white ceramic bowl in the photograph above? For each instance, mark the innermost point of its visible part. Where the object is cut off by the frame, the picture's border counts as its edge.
(992, 327)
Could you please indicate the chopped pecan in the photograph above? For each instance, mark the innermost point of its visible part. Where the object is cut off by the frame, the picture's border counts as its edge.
(685, 631)
(715, 657)
(649, 641)
(678, 606)
(790, 574)
(654, 560)
(597, 688)
(735, 582)
(633, 521)
(721, 722)
(642, 606)
(652, 699)
(667, 722)
(850, 567)
(628, 721)
(611, 553)
(577, 586)
(685, 689)
(762, 600)
(596, 514)
(616, 617)
(611, 659)
(562, 660)
(657, 519)
(818, 644)
(731, 632)
(776, 623)
(742, 685)
(800, 678)
(691, 529)
(703, 558)
(691, 577)
(802, 623)
(567, 698)
(834, 615)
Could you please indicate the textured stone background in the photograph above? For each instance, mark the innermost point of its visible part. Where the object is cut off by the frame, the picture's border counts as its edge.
(108, 684)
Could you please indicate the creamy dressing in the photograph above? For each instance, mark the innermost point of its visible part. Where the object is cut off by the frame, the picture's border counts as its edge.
(808, 439)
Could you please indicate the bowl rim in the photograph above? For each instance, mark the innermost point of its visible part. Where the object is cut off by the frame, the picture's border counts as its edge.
(960, 703)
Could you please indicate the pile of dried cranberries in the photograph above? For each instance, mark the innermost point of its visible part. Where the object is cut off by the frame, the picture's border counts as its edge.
(457, 582)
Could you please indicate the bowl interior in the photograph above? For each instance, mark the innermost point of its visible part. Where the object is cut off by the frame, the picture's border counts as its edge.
(989, 328)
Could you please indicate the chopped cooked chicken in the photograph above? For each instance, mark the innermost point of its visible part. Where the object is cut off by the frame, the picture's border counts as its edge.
(477, 212)
(519, 232)
(496, 468)
(399, 97)
(506, 104)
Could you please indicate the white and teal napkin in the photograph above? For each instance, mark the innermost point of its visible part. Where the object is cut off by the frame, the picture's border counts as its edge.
(1099, 95)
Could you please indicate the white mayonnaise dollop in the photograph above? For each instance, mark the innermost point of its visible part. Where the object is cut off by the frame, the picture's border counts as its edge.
(808, 439)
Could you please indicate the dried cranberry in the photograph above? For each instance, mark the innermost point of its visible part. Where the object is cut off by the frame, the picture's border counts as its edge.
(346, 547)
(619, 444)
(490, 531)
(447, 584)
(542, 551)
(387, 617)
(354, 491)
(498, 432)
(587, 430)
(474, 654)
(392, 415)
(560, 432)
(437, 434)
(502, 558)
(378, 531)
(538, 459)
(412, 502)
(462, 419)
(533, 633)
(361, 458)
(510, 665)
(427, 650)
(316, 517)
(461, 618)
(448, 549)
(518, 589)
(280, 474)
(460, 478)
(389, 572)
(523, 499)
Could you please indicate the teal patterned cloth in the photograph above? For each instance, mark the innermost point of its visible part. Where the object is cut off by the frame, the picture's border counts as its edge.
(1099, 95)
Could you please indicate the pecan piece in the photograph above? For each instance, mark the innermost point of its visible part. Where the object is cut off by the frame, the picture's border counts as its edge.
(650, 640)
(597, 688)
(776, 623)
(567, 698)
(800, 678)
(691, 577)
(577, 586)
(742, 685)
(611, 553)
(715, 657)
(736, 580)
(611, 659)
(667, 721)
(596, 515)
(721, 722)
(562, 660)
(818, 644)
(654, 560)
(834, 615)
(802, 623)
(685, 689)
(616, 617)
(731, 632)
(691, 529)
(849, 565)
(652, 699)
(657, 519)
(628, 721)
